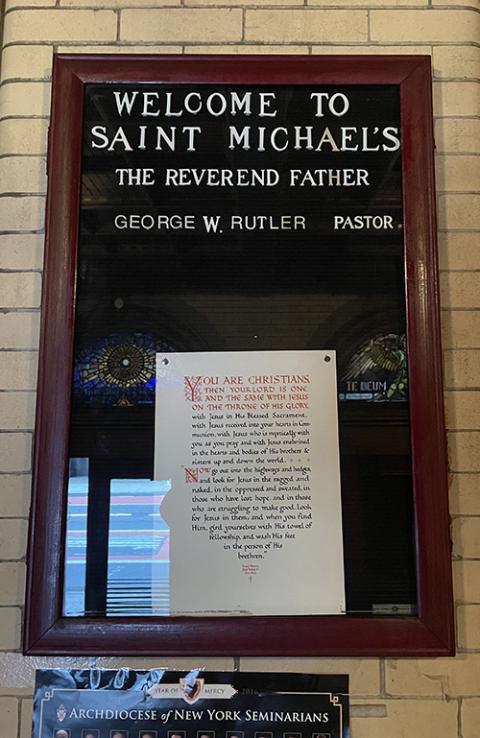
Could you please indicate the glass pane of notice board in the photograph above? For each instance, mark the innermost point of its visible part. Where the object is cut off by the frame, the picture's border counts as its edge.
(307, 255)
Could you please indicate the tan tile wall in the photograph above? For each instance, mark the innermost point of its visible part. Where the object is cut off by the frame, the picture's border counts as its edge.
(424, 698)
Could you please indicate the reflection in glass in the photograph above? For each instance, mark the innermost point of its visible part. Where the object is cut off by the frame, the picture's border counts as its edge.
(137, 575)
(145, 290)
(76, 538)
(118, 369)
(377, 370)
(138, 549)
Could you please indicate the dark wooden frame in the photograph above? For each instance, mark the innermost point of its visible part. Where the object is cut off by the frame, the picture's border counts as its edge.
(431, 633)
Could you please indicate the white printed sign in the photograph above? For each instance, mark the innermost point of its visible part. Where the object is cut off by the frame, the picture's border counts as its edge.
(249, 441)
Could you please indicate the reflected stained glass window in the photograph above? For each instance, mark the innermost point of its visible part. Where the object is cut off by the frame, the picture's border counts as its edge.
(118, 369)
(377, 371)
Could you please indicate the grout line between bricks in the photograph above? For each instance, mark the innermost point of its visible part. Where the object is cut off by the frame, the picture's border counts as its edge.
(21, 233)
(457, 117)
(462, 271)
(10, 431)
(454, 349)
(22, 80)
(19, 707)
(19, 351)
(24, 117)
(456, 153)
(44, 80)
(453, 231)
(9, 156)
(411, 697)
(15, 474)
(456, 80)
(452, 431)
(19, 310)
(23, 195)
(462, 389)
(460, 473)
(322, 6)
(459, 717)
(382, 677)
(153, 6)
(340, 44)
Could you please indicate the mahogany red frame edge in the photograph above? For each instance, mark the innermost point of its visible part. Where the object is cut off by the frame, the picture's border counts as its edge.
(431, 633)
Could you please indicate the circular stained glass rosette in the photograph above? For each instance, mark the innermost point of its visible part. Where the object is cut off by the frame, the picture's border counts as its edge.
(118, 369)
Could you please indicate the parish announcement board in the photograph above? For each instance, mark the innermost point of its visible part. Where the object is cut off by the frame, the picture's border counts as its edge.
(236, 225)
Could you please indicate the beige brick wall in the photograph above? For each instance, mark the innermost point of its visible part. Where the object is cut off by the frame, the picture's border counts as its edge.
(424, 698)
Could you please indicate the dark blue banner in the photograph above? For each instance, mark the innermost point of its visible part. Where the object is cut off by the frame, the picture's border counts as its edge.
(124, 703)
